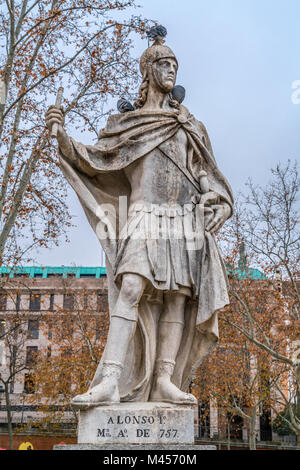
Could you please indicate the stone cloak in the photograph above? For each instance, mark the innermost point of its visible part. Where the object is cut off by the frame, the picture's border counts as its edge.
(97, 178)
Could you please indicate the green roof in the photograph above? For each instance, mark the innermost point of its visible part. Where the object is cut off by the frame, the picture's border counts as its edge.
(246, 273)
(49, 271)
(80, 272)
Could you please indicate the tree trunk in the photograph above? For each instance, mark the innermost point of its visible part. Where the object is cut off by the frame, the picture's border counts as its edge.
(228, 434)
(252, 440)
(9, 420)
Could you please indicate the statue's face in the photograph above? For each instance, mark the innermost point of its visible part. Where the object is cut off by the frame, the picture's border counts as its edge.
(164, 72)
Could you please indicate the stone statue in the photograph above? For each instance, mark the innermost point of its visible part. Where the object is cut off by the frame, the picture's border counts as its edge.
(166, 277)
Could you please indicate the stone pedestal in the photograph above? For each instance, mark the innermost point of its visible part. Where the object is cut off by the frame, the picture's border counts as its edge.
(116, 449)
(137, 423)
(134, 427)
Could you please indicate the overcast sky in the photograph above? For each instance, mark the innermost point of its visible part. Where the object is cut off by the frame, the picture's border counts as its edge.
(238, 60)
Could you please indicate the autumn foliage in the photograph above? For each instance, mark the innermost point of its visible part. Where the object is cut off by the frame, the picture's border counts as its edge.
(256, 366)
(65, 366)
(85, 46)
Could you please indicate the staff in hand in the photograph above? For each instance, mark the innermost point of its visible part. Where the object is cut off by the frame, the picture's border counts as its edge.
(58, 102)
(54, 115)
(55, 120)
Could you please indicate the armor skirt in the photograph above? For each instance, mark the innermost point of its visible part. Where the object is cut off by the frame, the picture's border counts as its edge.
(164, 245)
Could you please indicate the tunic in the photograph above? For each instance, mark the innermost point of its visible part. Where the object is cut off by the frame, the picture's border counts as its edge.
(162, 238)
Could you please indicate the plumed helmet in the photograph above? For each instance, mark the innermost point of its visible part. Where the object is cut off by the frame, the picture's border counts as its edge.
(158, 50)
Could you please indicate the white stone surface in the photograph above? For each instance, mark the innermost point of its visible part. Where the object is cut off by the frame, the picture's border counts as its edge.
(137, 423)
(115, 449)
(150, 165)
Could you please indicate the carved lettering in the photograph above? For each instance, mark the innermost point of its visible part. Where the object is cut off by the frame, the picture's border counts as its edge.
(162, 419)
(122, 433)
(119, 420)
(103, 433)
(135, 419)
(143, 433)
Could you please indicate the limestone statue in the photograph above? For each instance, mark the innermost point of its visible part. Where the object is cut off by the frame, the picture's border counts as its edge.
(165, 274)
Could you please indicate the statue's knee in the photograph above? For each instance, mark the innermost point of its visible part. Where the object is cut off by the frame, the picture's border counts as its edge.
(174, 309)
(132, 288)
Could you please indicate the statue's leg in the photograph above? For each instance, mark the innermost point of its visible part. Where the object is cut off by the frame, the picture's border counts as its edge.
(121, 329)
(169, 338)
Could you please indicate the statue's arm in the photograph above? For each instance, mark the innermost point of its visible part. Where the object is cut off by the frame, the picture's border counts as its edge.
(65, 144)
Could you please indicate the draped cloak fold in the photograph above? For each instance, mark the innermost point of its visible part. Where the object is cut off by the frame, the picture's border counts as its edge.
(96, 175)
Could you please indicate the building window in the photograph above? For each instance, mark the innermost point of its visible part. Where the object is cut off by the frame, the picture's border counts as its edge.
(3, 301)
(68, 303)
(29, 386)
(18, 302)
(33, 329)
(35, 302)
(31, 355)
(100, 328)
(64, 384)
(203, 419)
(2, 355)
(64, 379)
(102, 305)
(67, 326)
(51, 306)
(85, 301)
(50, 330)
(2, 327)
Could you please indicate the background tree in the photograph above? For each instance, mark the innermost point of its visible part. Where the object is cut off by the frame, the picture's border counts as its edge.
(14, 360)
(268, 221)
(65, 367)
(281, 424)
(238, 378)
(86, 47)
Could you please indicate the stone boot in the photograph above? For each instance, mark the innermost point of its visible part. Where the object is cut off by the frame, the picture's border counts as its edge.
(163, 390)
(106, 392)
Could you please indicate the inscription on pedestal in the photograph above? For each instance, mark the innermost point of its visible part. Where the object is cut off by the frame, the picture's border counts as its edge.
(147, 423)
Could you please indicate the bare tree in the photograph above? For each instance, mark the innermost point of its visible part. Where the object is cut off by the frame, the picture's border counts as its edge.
(14, 336)
(267, 220)
(86, 47)
(78, 336)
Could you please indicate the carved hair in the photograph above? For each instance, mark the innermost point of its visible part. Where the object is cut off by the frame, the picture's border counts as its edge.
(173, 103)
(143, 93)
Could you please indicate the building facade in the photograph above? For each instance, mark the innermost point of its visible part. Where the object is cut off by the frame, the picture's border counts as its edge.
(33, 293)
(28, 296)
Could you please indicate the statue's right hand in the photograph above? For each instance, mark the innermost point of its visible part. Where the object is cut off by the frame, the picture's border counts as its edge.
(54, 115)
